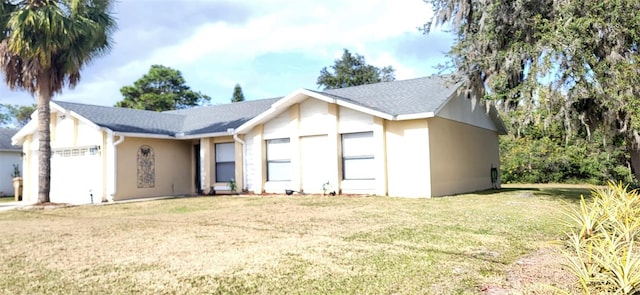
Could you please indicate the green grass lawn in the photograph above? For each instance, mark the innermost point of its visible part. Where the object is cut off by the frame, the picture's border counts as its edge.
(284, 245)
(7, 199)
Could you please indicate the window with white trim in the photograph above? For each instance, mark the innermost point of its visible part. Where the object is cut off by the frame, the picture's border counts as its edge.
(75, 152)
(357, 156)
(278, 159)
(225, 161)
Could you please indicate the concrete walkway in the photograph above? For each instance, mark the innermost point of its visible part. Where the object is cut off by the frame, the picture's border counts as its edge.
(6, 206)
(11, 205)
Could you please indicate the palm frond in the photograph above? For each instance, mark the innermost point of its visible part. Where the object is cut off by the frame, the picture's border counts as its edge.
(60, 37)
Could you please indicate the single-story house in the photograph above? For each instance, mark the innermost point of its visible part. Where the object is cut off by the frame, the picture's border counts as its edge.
(411, 138)
(10, 160)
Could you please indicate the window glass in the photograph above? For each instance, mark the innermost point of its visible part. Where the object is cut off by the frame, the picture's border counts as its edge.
(225, 162)
(357, 144)
(279, 171)
(225, 172)
(357, 156)
(225, 152)
(278, 160)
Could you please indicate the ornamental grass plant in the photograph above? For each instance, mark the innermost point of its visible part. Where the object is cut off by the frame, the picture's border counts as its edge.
(602, 246)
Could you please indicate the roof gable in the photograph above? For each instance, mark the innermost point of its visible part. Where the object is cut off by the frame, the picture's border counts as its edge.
(464, 110)
(396, 100)
(404, 97)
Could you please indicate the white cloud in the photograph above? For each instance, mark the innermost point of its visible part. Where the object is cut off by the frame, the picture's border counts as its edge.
(308, 26)
(401, 71)
(216, 52)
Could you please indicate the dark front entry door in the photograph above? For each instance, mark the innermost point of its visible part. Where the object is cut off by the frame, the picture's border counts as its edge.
(196, 154)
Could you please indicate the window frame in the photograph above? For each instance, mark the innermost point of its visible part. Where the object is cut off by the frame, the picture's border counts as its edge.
(356, 157)
(282, 160)
(216, 145)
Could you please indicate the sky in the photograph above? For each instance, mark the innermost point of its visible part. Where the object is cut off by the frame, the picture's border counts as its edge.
(270, 47)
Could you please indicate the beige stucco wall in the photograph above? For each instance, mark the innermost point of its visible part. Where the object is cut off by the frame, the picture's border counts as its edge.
(173, 168)
(461, 157)
(408, 158)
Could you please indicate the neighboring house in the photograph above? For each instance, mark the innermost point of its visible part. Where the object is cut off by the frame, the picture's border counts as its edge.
(411, 138)
(9, 156)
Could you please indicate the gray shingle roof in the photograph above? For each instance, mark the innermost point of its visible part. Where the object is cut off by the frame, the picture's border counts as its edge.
(200, 120)
(5, 139)
(127, 120)
(219, 118)
(403, 97)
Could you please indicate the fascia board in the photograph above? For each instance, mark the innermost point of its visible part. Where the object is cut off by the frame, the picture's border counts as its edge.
(203, 135)
(17, 138)
(425, 115)
(144, 135)
(275, 109)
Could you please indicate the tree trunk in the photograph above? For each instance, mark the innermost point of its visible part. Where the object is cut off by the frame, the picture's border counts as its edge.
(635, 162)
(44, 137)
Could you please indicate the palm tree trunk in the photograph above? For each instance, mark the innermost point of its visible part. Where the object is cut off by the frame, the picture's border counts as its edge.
(44, 137)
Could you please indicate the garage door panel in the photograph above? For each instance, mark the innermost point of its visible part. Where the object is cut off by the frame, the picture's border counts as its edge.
(76, 178)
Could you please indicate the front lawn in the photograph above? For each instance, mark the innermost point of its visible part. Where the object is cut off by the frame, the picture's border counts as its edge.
(7, 199)
(466, 244)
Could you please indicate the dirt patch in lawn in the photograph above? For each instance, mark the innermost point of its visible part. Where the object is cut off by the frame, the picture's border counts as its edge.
(541, 272)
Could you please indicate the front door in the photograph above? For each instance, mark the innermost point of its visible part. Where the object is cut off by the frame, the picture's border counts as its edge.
(197, 181)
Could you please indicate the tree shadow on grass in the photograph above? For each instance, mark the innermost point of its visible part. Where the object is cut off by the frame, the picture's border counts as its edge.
(568, 194)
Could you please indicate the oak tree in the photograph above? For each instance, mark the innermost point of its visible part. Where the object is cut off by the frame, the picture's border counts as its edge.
(16, 115)
(352, 70)
(582, 54)
(162, 89)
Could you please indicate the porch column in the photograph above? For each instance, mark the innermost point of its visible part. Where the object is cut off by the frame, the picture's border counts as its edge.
(333, 138)
(259, 156)
(296, 169)
(380, 156)
(239, 160)
(206, 175)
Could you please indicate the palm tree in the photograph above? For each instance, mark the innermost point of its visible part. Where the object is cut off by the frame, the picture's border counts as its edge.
(43, 46)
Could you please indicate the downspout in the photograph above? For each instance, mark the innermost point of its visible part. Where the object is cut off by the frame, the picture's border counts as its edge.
(121, 138)
(115, 165)
(244, 161)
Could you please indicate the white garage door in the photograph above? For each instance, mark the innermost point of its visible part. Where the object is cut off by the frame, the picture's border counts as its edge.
(76, 176)
(315, 159)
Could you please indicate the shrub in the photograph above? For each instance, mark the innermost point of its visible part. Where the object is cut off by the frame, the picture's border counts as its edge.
(602, 248)
(539, 152)
(547, 159)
